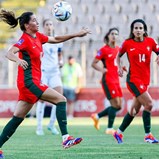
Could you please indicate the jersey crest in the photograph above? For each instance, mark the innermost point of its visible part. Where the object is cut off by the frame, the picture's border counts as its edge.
(20, 42)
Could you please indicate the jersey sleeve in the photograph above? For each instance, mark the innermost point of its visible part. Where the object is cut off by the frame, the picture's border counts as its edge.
(122, 49)
(99, 54)
(155, 47)
(43, 38)
(21, 44)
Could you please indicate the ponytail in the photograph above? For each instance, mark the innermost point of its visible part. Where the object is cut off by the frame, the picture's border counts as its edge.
(9, 18)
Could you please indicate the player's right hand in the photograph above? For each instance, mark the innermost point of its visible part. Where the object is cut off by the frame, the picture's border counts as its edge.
(120, 71)
(22, 63)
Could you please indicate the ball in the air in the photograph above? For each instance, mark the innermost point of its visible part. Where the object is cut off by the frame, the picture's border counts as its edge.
(62, 10)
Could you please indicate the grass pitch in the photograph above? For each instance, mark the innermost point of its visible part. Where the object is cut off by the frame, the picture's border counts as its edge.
(25, 144)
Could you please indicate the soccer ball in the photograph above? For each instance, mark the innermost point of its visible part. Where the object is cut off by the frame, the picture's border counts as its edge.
(62, 10)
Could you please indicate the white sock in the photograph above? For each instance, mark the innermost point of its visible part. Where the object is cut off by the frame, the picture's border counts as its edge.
(97, 117)
(109, 128)
(40, 114)
(147, 134)
(52, 116)
(64, 137)
(119, 131)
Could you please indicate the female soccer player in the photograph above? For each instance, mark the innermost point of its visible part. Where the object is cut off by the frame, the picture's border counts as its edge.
(138, 48)
(30, 88)
(110, 79)
(50, 76)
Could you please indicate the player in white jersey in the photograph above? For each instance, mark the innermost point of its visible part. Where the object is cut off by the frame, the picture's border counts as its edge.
(51, 62)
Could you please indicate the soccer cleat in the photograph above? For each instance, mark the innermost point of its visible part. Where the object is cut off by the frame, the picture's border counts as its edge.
(40, 132)
(109, 131)
(118, 137)
(150, 139)
(1, 154)
(71, 141)
(53, 130)
(96, 121)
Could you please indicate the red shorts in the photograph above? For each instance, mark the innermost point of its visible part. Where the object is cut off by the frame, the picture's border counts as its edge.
(112, 90)
(137, 87)
(32, 92)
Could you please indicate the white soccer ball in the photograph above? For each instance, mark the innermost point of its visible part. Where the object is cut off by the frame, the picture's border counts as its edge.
(62, 10)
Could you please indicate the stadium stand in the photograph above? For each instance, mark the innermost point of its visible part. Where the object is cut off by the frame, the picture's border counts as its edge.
(99, 16)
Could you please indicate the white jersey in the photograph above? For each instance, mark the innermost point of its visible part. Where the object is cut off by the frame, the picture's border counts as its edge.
(49, 62)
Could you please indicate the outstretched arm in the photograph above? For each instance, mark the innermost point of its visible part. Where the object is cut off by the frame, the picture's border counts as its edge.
(59, 39)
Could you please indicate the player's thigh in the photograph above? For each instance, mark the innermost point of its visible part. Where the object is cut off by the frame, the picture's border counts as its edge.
(22, 109)
(135, 107)
(146, 100)
(59, 89)
(52, 96)
(116, 102)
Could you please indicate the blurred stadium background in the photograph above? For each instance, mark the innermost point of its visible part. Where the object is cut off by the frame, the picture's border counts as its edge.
(98, 16)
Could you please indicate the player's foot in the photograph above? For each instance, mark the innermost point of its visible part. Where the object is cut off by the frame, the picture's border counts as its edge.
(150, 139)
(1, 154)
(109, 131)
(71, 141)
(118, 137)
(40, 132)
(53, 130)
(96, 121)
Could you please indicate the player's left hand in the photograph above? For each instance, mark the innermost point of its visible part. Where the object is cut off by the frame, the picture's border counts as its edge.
(84, 31)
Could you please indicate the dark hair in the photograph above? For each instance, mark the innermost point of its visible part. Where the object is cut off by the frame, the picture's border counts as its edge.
(9, 18)
(131, 35)
(70, 57)
(106, 39)
(45, 20)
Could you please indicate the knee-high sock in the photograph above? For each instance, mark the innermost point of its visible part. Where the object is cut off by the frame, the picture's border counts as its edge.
(52, 116)
(40, 114)
(61, 117)
(111, 116)
(146, 116)
(126, 122)
(104, 112)
(9, 129)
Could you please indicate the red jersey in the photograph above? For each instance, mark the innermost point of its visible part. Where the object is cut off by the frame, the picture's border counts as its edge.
(30, 51)
(139, 56)
(108, 56)
(29, 80)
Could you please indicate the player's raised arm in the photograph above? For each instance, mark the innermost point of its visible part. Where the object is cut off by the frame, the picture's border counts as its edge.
(58, 39)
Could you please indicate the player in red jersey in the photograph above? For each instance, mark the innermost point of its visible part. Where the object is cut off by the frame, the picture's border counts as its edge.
(110, 79)
(30, 89)
(139, 48)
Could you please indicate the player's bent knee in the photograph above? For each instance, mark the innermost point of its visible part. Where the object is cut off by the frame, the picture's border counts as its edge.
(62, 99)
(133, 112)
(117, 106)
(148, 107)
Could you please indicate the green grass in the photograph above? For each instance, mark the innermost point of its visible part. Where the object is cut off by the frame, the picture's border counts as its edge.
(96, 145)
